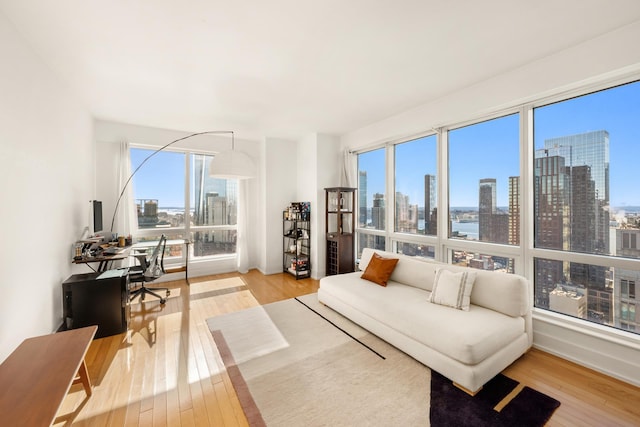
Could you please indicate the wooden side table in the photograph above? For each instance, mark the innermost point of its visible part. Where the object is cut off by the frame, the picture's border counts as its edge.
(36, 377)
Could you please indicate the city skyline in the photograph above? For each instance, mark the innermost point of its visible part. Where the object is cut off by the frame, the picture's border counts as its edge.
(213, 201)
(571, 191)
(613, 110)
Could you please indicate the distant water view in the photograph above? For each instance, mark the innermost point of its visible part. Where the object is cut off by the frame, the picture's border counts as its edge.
(470, 229)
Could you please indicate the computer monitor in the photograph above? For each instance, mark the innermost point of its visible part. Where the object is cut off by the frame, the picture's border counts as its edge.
(96, 207)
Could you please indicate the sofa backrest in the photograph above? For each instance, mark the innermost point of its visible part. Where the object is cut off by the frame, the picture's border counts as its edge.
(503, 292)
(411, 271)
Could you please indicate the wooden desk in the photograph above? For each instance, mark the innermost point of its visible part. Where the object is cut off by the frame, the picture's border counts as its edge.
(103, 260)
(36, 377)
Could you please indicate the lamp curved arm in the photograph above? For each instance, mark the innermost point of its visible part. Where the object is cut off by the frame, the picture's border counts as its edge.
(126, 184)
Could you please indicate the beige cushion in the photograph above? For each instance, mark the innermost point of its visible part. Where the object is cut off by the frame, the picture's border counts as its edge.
(453, 289)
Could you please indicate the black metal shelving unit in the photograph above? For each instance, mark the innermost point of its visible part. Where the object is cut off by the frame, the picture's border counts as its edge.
(296, 242)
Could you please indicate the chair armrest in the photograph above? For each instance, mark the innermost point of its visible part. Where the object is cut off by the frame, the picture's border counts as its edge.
(142, 259)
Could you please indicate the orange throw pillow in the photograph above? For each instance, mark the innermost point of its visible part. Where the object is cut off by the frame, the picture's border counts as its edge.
(379, 269)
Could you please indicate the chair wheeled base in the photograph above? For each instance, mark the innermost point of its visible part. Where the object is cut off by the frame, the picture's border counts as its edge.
(143, 290)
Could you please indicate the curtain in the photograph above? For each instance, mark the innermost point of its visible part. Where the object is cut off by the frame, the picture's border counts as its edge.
(242, 247)
(347, 179)
(126, 221)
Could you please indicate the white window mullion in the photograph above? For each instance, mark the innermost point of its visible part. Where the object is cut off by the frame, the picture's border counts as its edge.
(390, 210)
(187, 203)
(443, 194)
(525, 266)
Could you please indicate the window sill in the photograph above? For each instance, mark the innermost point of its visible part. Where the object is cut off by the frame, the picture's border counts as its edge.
(606, 333)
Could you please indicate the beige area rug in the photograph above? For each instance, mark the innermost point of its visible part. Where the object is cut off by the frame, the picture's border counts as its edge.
(298, 363)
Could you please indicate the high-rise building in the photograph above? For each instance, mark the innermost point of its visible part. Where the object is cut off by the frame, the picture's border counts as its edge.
(584, 239)
(430, 205)
(551, 221)
(205, 185)
(486, 208)
(513, 235)
(493, 225)
(402, 212)
(362, 198)
(215, 203)
(587, 161)
(583, 210)
(378, 212)
(571, 191)
(589, 149)
(148, 215)
(626, 298)
(232, 198)
(406, 214)
(216, 209)
(514, 210)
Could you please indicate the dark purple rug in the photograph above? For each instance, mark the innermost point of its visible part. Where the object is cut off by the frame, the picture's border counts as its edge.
(451, 406)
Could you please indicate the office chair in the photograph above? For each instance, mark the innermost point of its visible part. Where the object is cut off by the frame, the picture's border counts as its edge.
(148, 271)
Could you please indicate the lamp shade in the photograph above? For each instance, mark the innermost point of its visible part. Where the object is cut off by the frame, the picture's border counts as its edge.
(232, 164)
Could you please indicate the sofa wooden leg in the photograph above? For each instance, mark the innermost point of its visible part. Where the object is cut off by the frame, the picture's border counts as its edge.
(466, 390)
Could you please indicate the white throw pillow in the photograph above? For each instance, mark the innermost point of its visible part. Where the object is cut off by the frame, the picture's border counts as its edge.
(453, 289)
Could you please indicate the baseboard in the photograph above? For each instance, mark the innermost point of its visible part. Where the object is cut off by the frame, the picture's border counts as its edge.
(589, 350)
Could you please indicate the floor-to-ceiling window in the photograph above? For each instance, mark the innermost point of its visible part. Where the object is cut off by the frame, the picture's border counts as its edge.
(484, 190)
(546, 190)
(415, 196)
(371, 200)
(175, 196)
(587, 206)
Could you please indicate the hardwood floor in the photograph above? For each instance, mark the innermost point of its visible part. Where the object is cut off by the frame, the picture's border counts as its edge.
(166, 370)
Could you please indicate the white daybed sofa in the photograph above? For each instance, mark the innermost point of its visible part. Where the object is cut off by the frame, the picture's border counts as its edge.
(468, 347)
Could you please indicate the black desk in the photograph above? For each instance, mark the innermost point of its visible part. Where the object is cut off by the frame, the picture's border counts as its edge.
(89, 299)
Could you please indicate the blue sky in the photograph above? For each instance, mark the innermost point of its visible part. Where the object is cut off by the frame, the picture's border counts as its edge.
(485, 150)
(161, 178)
(491, 150)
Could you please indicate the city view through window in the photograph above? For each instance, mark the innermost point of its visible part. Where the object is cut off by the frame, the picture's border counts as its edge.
(585, 202)
(159, 193)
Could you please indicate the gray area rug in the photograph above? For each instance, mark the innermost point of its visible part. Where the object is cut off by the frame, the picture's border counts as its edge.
(298, 363)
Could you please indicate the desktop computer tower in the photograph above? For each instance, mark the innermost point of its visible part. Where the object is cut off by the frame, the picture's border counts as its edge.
(100, 299)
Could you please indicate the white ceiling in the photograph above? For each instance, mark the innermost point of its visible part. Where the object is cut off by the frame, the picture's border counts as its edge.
(287, 68)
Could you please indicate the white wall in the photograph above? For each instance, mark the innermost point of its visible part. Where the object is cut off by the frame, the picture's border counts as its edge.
(609, 56)
(295, 172)
(318, 168)
(278, 183)
(47, 156)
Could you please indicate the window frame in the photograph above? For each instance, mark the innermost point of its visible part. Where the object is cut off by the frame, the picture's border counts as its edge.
(188, 230)
(525, 253)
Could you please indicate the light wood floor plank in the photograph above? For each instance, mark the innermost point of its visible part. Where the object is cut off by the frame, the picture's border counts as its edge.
(167, 371)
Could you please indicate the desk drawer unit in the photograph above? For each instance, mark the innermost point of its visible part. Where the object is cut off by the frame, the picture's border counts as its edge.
(89, 299)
